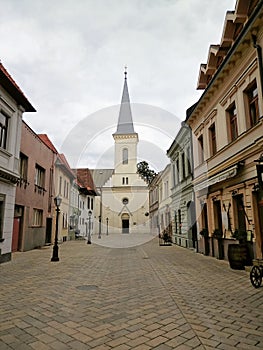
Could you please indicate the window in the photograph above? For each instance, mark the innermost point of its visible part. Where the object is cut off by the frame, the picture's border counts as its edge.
(125, 156)
(88, 202)
(60, 185)
(188, 155)
(180, 221)
(232, 122)
(91, 206)
(65, 189)
(37, 217)
(177, 171)
(65, 220)
(175, 222)
(183, 165)
(252, 104)
(212, 135)
(200, 149)
(2, 207)
(125, 201)
(23, 166)
(40, 176)
(3, 130)
(125, 180)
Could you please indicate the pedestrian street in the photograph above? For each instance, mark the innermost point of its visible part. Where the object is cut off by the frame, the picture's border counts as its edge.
(142, 296)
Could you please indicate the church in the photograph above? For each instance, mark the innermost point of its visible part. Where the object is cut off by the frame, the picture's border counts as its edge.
(122, 204)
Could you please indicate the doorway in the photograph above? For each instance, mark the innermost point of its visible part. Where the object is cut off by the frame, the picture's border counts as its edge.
(125, 223)
(48, 230)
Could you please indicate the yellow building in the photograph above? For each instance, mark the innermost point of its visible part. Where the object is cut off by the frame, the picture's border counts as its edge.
(227, 126)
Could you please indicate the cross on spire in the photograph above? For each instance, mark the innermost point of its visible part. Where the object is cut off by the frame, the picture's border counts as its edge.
(125, 72)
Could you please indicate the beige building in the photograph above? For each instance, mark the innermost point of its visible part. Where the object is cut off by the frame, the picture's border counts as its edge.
(64, 178)
(227, 127)
(122, 200)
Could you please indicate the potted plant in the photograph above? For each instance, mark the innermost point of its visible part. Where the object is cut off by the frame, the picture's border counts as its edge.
(239, 254)
(218, 234)
(240, 235)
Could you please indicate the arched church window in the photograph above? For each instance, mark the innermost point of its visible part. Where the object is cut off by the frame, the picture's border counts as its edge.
(125, 156)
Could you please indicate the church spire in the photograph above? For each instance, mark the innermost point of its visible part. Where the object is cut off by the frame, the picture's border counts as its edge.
(125, 123)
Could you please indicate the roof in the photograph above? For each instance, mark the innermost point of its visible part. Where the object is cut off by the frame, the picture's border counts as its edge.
(125, 123)
(249, 14)
(63, 163)
(8, 83)
(101, 176)
(44, 138)
(85, 181)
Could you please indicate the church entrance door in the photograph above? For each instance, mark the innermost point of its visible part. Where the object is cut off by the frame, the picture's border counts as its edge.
(125, 223)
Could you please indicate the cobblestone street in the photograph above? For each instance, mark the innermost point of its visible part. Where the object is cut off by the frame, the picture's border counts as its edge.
(141, 297)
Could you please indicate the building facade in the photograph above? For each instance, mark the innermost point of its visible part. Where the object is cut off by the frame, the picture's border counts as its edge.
(154, 205)
(123, 201)
(33, 205)
(86, 202)
(182, 195)
(13, 104)
(64, 179)
(164, 202)
(227, 130)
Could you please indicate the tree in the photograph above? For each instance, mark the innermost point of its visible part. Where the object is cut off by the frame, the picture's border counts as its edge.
(145, 172)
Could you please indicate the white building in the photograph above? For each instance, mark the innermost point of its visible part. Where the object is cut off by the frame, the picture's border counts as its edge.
(13, 104)
(182, 195)
(123, 203)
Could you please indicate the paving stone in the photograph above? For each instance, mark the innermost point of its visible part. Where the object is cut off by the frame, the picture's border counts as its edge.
(175, 299)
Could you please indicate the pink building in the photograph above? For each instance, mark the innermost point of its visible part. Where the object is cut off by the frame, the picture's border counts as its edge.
(33, 218)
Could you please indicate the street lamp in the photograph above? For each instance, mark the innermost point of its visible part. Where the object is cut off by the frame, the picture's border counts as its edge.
(107, 232)
(100, 213)
(89, 235)
(55, 257)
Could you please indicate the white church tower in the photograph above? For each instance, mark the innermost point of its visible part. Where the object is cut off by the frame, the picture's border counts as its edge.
(125, 196)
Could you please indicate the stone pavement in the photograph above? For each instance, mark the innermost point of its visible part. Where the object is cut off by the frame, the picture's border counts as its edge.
(142, 297)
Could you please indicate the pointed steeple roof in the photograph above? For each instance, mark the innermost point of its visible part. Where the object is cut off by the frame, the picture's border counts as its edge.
(125, 123)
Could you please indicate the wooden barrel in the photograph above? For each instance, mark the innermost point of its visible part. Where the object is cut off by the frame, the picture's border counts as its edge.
(237, 256)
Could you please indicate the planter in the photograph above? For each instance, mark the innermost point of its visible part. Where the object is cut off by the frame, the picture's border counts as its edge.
(237, 256)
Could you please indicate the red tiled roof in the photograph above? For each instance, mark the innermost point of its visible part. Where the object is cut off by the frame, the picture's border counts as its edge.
(84, 179)
(8, 83)
(63, 161)
(44, 138)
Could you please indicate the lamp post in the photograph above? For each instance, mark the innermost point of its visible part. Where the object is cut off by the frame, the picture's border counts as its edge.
(107, 232)
(55, 257)
(100, 213)
(89, 235)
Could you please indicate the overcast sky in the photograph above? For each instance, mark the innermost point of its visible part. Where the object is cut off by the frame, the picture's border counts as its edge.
(69, 56)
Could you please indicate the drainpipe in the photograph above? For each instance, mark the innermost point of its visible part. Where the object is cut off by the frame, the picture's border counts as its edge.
(260, 61)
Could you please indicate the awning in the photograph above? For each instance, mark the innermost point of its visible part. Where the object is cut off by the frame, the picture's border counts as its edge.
(222, 176)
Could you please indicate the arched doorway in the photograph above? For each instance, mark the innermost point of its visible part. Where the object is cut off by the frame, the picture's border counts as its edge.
(125, 218)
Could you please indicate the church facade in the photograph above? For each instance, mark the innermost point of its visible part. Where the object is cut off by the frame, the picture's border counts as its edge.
(123, 196)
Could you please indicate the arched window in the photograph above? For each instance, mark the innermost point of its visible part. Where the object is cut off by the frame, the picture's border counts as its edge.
(125, 156)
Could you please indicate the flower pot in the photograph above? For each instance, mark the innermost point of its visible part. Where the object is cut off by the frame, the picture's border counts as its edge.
(237, 256)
